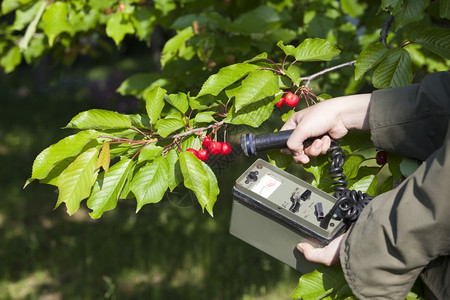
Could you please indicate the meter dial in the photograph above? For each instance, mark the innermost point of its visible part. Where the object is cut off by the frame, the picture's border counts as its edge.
(266, 185)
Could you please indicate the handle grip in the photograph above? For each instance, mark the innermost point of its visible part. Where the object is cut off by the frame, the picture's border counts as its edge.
(251, 144)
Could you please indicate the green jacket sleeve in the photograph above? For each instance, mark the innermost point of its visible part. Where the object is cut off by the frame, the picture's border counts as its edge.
(402, 230)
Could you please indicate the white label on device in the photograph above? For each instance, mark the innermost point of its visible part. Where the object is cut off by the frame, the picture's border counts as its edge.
(266, 186)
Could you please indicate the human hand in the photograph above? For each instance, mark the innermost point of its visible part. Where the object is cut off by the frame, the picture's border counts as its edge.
(328, 255)
(335, 117)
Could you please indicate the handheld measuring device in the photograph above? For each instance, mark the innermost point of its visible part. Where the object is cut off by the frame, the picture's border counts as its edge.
(274, 210)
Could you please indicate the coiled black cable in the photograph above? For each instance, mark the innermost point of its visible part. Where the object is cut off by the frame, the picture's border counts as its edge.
(350, 202)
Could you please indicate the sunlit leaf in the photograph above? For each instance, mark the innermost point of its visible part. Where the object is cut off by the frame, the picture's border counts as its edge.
(225, 77)
(67, 147)
(107, 188)
(256, 86)
(11, 59)
(104, 157)
(99, 119)
(150, 182)
(179, 101)
(150, 152)
(55, 20)
(322, 283)
(199, 178)
(175, 177)
(315, 50)
(167, 126)
(154, 103)
(75, 182)
(254, 114)
(118, 27)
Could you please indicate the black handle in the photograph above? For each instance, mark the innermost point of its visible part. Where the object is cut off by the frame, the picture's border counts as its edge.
(251, 144)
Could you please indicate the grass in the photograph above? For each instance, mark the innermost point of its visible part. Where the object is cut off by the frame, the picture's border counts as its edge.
(169, 250)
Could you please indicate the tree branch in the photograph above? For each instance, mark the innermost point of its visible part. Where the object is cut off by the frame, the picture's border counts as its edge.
(218, 124)
(323, 72)
(384, 32)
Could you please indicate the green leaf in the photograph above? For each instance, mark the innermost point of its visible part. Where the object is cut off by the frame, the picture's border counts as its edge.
(150, 152)
(199, 178)
(395, 70)
(107, 188)
(144, 22)
(411, 11)
(279, 159)
(366, 184)
(117, 27)
(150, 182)
(435, 39)
(322, 283)
(293, 72)
(25, 16)
(352, 164)
(166, 6)
(138, 83)
(54, 20)
(154, 103)
(175, 177)
(67, 147)
(167, 126)
(11, 59)
(175, 45)
(256, 86)
(75, 182)
(99, 119)
(288, 49)
(353, 8)
(253, 114)
(444, 9)
(179, 101)
(408, 166)
(205, 117)
(225, 77)
(258, 20)
(369, 58)
(315, 50)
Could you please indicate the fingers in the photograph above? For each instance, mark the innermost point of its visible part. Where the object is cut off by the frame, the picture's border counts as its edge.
(301, 155)
(328, 255)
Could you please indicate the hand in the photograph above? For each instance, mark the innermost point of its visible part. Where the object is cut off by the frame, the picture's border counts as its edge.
(335, 117)
(328, 255)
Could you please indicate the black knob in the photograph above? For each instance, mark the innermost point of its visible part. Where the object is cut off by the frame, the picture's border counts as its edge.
(252, 176)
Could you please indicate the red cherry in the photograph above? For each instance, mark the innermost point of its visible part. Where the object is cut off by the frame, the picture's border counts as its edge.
(193, 151)
(202, 154)
(121, 6)
(280, 103)
(215, 147)
(206, 141)
(226, 149)
(291, 99)
(381, 158)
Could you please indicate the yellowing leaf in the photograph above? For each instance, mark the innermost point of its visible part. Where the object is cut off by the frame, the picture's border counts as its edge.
(104, 157)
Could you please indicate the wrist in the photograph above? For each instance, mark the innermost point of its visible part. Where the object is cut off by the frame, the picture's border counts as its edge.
(354, 111)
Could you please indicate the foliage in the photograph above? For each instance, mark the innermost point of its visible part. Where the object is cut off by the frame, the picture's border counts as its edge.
(247, 54)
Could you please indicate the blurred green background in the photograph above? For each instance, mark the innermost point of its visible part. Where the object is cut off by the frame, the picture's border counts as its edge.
(169, 250)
